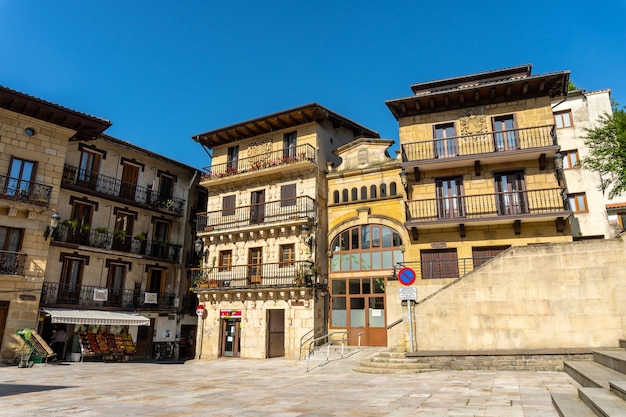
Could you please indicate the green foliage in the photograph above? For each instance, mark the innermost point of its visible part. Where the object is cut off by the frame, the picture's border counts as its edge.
(607, 150)
(571, 86)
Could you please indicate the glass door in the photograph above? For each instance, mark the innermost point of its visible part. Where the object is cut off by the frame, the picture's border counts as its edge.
(231, 332)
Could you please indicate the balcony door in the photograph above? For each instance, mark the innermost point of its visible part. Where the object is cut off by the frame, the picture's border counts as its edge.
(21, 174)
(130, 174)
(88, 169)
(510, 189)
(257, 207)
(71, 281)
(255, 265)
(450, 202)
(505, 135)
(445, 140)
(289, 145)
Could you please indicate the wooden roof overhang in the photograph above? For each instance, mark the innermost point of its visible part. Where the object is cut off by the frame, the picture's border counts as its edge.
(282, 120)
(466, 92)
(87, 127)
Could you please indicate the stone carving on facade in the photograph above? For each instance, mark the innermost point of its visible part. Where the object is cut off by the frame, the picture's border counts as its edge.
(473, 122)
(260, 149)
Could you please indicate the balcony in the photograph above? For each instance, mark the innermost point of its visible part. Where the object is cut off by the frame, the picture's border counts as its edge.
(539, 205)
(55, 294)
(300, 157)
(274, 212)
(117, 190)
(97, 238)
(281, 274)
(496, 147)
(28, 192)
(12, 263)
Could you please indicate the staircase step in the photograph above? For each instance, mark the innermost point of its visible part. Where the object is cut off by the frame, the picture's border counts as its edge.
(374, 370)
(618, 388)
(570, 405)
(591, 374)
(391, 354)
(614, 359)
(603, 402)
(395, 365)
(392, 359)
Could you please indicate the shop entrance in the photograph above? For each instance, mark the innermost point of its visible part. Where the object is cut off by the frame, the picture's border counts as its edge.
(275, 333)
(231, 333)
(145, 335)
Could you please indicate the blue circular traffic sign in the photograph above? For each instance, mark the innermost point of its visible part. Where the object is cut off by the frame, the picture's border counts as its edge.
(406, 276)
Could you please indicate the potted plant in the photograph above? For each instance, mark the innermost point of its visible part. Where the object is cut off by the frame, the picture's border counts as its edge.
(101, 230)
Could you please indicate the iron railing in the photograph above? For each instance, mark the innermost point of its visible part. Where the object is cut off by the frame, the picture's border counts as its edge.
(300, 153)
(53, 293)
(480, 143)
(270, 212)
(12, 263)
(109, 186)
(443, 268)
(518, 203)
(115, 241)
(279, 274)
(25, 191)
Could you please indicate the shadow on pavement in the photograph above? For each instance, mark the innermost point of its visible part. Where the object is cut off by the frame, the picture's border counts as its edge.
(16, 389)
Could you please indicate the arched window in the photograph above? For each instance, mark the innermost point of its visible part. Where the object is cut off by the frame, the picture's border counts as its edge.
(373, 191)
(364, 193)
(392, 188)
(336, 196)
(383, 190)
(366, 248)
(355, 194)
(344, 195)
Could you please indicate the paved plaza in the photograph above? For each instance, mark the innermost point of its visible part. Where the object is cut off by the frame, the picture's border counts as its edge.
(272, 387)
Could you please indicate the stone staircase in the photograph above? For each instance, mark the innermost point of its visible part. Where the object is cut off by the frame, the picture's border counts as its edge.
(392, 362)
(603, 386)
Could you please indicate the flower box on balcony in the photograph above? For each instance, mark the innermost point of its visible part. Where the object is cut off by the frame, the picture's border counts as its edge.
(255, 279)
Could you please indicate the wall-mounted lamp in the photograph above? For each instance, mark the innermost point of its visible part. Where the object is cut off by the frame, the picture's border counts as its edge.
(404, 179)
(558, 165)
(198, 246)
(54, 223)
(305, 231)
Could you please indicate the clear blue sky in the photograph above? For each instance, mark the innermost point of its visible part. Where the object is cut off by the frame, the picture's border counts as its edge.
(162, 71)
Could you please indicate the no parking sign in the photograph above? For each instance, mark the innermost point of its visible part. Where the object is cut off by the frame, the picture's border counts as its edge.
(406, 276)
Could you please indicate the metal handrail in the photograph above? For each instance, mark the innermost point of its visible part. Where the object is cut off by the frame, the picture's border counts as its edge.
(327, 337)
(307, 336)
(29, 192)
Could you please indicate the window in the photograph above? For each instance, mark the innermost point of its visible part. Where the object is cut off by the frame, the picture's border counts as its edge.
(450, 201)
(358, 302)
(289, 145)
(81, 213)
(373, 191)
(392, 189)
(505, 135)
(482, 254)
(123, 230)
(257, 207)
(130, 175)
(115, 281)
(228, 205)
(336, 196)
(156, 280)
(511, 195)
(344, 195)
(166, 187)
(225, 260)
(88, 168)
(570, 159)
(383, 190)
(288, 195)
(232, 158)
(563, 119)
(71, 279)
(366, 247)
(364, 193)
(439, 263)
(445, 142)
(160, 235)
(255, 265)
(354, 194)
(10, 239)
(577, 202)
(287, 255)
(21, 173)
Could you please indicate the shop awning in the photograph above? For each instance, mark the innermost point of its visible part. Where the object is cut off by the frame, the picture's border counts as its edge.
(107, 318)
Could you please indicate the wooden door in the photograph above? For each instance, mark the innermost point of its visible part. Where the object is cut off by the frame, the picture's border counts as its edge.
(275, 333)
(130, 175)
(257, 207)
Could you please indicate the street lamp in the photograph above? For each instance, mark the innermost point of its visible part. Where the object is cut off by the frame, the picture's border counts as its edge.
(404, 179)
(54, 223)
(198, 245)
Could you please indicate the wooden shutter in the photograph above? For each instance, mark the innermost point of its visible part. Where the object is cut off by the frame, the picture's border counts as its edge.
(228, 205)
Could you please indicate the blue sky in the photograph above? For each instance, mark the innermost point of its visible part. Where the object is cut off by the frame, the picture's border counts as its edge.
(162, 71)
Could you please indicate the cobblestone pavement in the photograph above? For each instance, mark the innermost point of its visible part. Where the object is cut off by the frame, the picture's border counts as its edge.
(272, 387)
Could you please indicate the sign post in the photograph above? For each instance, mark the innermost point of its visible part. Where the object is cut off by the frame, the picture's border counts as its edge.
(200, 312)
(407, 276)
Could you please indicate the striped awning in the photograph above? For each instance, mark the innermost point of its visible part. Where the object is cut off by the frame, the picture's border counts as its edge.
(107, 318)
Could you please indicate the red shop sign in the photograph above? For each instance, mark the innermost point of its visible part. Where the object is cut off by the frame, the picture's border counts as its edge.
(230, 314)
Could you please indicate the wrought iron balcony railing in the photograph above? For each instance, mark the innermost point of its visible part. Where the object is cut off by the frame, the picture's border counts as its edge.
(97, 238)
(518, 203)
(265, 213)
(480, 143)
(53, 293)
(446, 268)
(281, 274)
(90, 181)
(271, 160)
(25, 191)
(12, 263)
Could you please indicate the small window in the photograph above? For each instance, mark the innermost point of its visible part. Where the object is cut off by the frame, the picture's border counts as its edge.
(571, 159)
(578, 202)
(226, 260)
(335, 196)
(228, 205)
(364, 193)
(383, 190)
(287, 255)
(355, 194)
(344, 195)
(392, 189)
(563, 119)
(373, 191)
(288, 195)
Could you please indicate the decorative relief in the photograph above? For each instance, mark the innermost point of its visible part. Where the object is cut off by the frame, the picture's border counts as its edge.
(260, 147)
(473, 122)
(363, 155)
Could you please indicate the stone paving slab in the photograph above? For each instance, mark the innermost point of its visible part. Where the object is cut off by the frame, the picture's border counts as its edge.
(272, 387)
